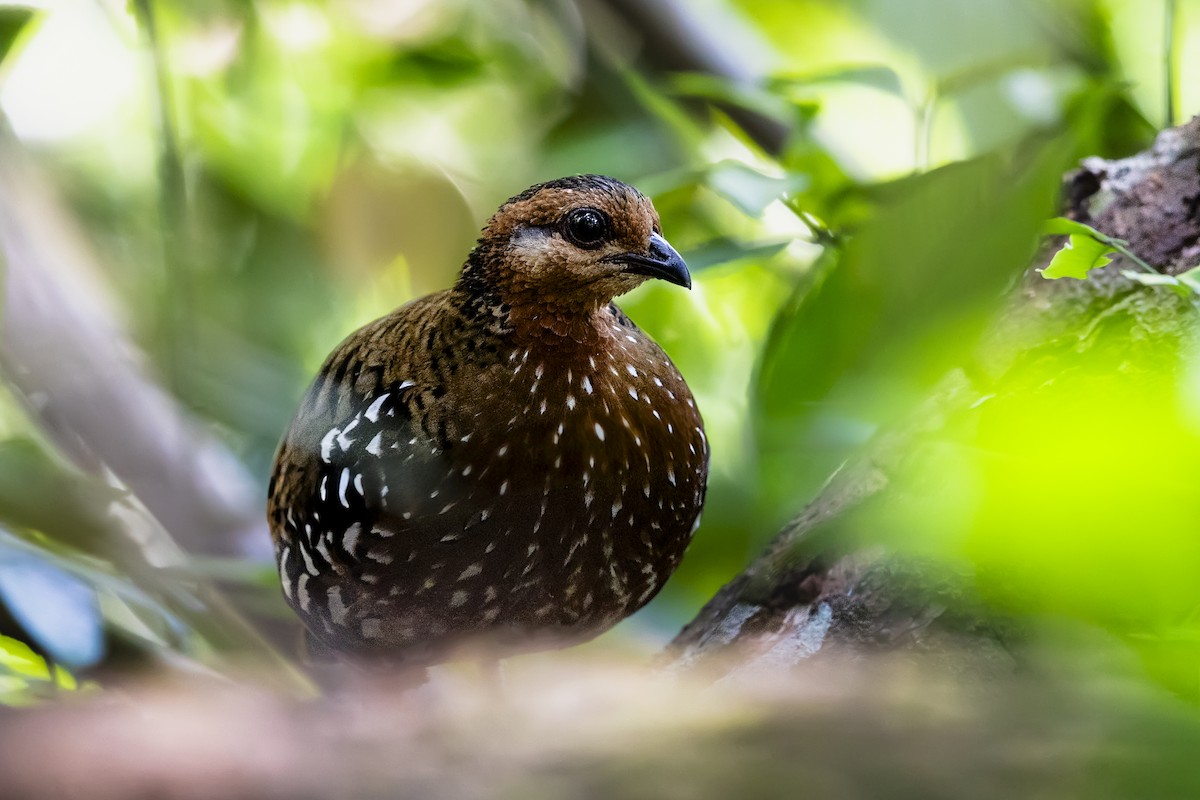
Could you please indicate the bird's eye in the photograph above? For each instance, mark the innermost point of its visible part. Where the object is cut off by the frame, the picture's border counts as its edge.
(586, 227)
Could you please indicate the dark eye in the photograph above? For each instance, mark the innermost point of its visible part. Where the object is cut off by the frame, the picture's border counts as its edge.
(586, 227)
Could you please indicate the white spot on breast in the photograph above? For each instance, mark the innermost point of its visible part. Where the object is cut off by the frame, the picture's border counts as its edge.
(503, 449)
(459, 598)
(381, 556)
(615, 508)
(599, 431)
(504, 487)
(633, 393)
(587, 499)
(466, 470)
(587, 384)
(542, 407)
(571, 401)
(629, 368)
(491, 614)
(471, 571)
(350, 538)
(337, 606)
(658, 382)
(372, 628)
(537, 372)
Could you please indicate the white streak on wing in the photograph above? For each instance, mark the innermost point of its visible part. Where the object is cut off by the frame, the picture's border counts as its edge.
(302, 592)
(342, 484)
(405, 385)
(376, 445)
(327, 444)
(283, 576)
(358, 483)
(343, 440)
(372, 412)
(309, 566)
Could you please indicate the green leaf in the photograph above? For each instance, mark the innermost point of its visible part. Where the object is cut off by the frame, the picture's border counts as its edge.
(749, 190)
(872, 330)
(1061, 226)
(13, 22)
(876, 76)
(1079, 256)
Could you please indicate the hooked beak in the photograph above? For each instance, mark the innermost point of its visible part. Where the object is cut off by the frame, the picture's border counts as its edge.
(660, 261)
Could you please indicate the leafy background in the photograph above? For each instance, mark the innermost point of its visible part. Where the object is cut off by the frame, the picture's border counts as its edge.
(855, 185)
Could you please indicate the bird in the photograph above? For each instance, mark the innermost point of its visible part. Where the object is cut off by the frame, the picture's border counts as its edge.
(511, 460)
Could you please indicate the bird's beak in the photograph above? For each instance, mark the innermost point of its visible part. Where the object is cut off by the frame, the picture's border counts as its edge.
(659, 261)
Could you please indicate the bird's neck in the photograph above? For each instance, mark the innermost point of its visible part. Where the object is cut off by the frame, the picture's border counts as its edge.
(536, 318)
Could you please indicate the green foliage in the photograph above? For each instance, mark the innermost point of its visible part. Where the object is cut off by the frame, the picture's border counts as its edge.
(1078, 256)
(321, 165)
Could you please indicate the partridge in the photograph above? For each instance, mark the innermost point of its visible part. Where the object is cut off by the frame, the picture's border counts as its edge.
(511, 459)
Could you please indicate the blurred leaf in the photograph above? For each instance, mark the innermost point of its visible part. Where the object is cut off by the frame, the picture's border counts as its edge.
(728, 251)
(869, 331)
(1077, 257)
(723, 90)
(41, 493)
(876, 76)
(13, 22)
(1185, 284)
(57, 610)
(749, 190)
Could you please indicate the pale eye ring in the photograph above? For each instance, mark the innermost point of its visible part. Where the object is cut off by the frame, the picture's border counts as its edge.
(586, 227)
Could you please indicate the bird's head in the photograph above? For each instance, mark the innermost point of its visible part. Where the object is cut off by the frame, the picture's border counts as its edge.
(571, 245)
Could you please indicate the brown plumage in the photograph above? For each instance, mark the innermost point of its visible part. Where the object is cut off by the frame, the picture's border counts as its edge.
(511, 458)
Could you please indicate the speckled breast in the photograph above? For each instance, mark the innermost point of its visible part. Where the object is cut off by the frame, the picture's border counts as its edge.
(552, 494)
